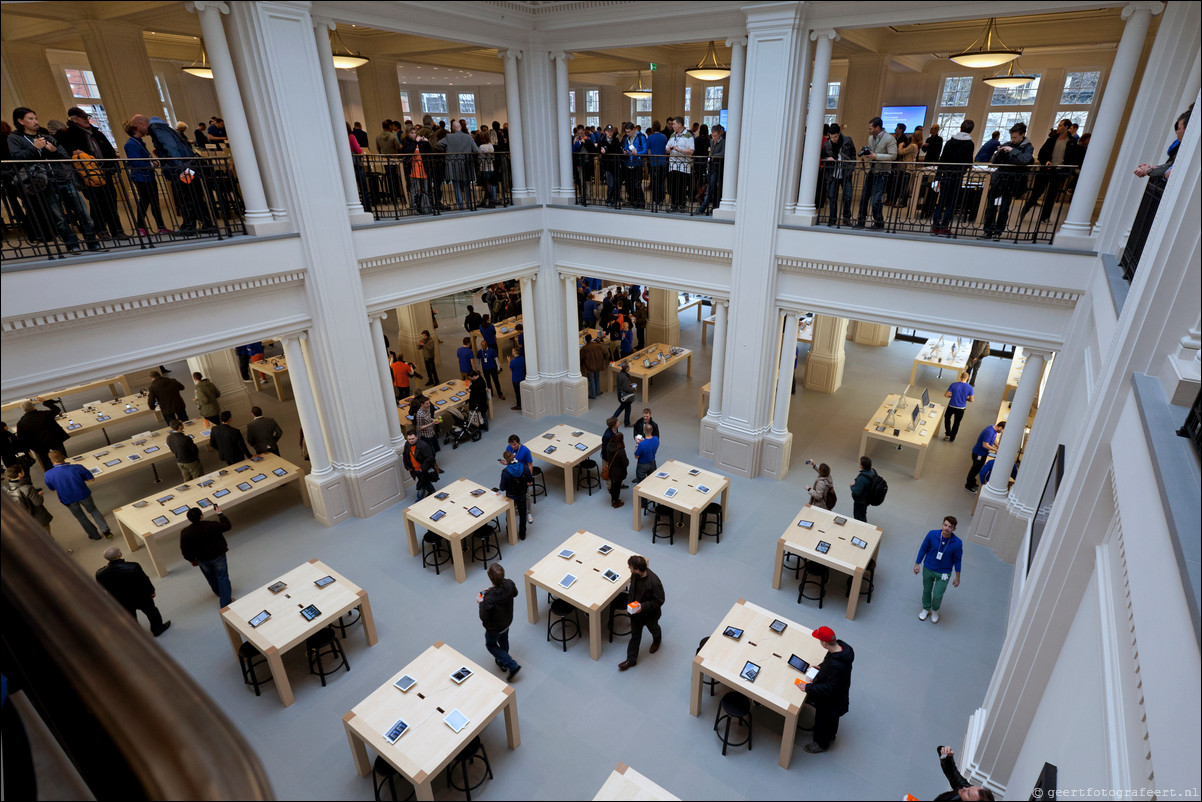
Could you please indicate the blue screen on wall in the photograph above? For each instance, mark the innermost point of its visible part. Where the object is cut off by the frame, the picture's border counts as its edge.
(912, 116)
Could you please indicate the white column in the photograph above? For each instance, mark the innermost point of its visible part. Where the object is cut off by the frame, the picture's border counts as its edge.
(513, 108)
(570, 326)
(718, 358)
(242, 146)
(1076, 231)
(325, 56)
(306, 404)
(394, 421)
(734, 122)
(1012, 435)
(528, 327)
(815, 114)
(561, 132)
(784, 378)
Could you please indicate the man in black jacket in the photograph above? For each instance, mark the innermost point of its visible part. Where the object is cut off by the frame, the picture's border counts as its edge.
(828, 693)
(954, 162)
(166, 393)
(40, 433)
(187, 455)
(837, 149)
(1008, 180)
(648, 592)
(80, 136)
(227, 441)
(859, 490)
(961, 789)
(418, 459)
(202, 543)
(1059, 149)
(129, 585)
(496, 613)
(263, 434)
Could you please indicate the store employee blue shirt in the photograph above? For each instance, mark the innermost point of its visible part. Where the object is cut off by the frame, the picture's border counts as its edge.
(961, 392)
(70, 482)
(986, 437)
(488, 358)
(929, 554)
(465, 358)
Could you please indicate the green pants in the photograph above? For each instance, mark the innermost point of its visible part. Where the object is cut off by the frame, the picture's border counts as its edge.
(933, 588)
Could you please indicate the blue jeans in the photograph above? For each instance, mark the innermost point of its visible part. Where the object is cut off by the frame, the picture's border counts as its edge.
(216, 571)
(594, 383)
(624, 406)
(78, 508)
(497, 644)
(877, 180)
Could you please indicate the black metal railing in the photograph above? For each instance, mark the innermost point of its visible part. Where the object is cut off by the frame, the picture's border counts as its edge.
(396, 186)
(56, 208)
(1144, 217)
(952, 200)
(1192, 428)
(689, 185)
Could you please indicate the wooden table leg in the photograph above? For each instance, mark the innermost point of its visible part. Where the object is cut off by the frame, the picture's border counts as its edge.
(646, 389)
(689, 372)
(569, 486)
(513, 734)
(131, 540)
(411, 533)
(913, 372)
(369, 621)
(594, 633)
(864, 444)
(279, 388)
(234, 637)
(512, 519)
(634, 503)
(779, 563)
(694, 530)
(857, 579)
(156, 556)
(695, 688)
(358, 747)
(705, 324)
(531, 600)
(787, 737)
(726, 502)
(275, 662)
(457, 557)
(425, 789)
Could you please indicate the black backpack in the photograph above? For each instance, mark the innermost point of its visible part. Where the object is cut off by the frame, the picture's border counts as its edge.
(877, 489)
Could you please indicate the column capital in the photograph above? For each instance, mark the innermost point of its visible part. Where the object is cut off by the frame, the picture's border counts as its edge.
(1149, 6)
(1044, 354)
(293, 337)
(325, 22)
(737, 41)
(510, 54)
(824, 33)
(374, 316)
(197, 6)
(556, 55)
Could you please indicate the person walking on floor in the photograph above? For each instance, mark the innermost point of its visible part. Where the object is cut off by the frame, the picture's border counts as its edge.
(133, 590)
(203, 544)
(517, 373)
(938, 557)
(228, 441)
(418, 459)
(40, 433)
(860, 490)
(263, 434)
(428, 346)
(206, 399)
(625, 390)
(29, 498)
(647, 592)
(960, 392)
(490, 367)
(515, 480)
(647, 444)
(617, 466)
(496, 614)
(71, 484)
(829, 691)
(165, 393)
(985, 446)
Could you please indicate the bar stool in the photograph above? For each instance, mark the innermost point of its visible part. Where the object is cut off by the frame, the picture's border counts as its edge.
(712, 514)
(538, 483)
(616, 610)
(560, 610)
(795, 566)
(589, 476)
(469, 754)
(713, 683)
(382, 773)
(664, 516)
(734, 707)
(867, 585)
(436, 551)
(246, 660)
(813, 573)
(486, 544)
(348, 619)
(324, 641)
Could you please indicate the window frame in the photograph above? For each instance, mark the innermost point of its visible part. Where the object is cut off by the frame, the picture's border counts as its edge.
(427, 110)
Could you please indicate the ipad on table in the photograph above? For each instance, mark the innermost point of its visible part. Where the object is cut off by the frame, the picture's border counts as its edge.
(396, 731)
(860, 544)
(244, 486)
(799, 664)
(611, 575)
(823, 547)
(438, 515)
(777, 626)
(259, 619)
(310, 612)
(405, 683)
(279, 471)
(276, 587)
(456, 720)
(733, 633)
(459, 676)
(162, 520)
(806, 524)
(475, 512)
(441, 496)
(566, 553)
(241, 469)
(325, 580)
(605, 548)
(221, 493)
(567, 581)
(750, 671)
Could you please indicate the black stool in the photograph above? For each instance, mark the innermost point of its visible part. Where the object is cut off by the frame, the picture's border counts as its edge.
(560, 610)
(436, 551)
(246, 659)
(319, 644)
(486, 544)
(813, 574)
(734, 707)
(796, 565)
(867, 585)
(664, 516)
(538, 483)
(383, 774)
(474, 749)
(348, 619)
(713, 683)
(589, 476)
(712, 514)
(616, 610)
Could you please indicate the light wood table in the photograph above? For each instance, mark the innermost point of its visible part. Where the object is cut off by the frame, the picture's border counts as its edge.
(127, 456)
(805, 329)
(942, 352)
(458, 523)
(842, 555)
(925, 430)
(111, 384)
(688, 499)
(286, 627)
(429, 744)
(591, 592)
(164, 513)
(572, 447)
(697, 302)
(703, 400)
(100, 416)
(592, 332)
(724, 658)
(1017, 363)
(510, 333)
(448, 396)
(273, 367)
(642, 375)
(627, 784)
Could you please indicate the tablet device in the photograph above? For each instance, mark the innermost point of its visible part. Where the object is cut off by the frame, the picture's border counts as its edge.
(750, 671)
(442, 495)
(611, 575)
(456, 720)
(478, 492)
(203, 503)
(280, 472)
(581, 447)
(840, 520)
(73, 426)
(476, 512)
(859, 544)
(180, 510)
(276, 587)
(880, 428)
(703, 488)
(325, 580)
(129, 409)
(162, 520)
(440, 402)
(463, 673)
(100, 454)
(112, 462)
(310, 612)
(244, 486)
(549, 436)
(799, 664)
(278, 367)
(183, 487)
(398, 729)
(777, 626)
(164, 499)
(95, 471)
(897, 432)
(662, 475)
(549, 450)
(577, 434)
(241, 469)
(135, 457)
(806, 524)
(733, 632)
(646, 363)
(221, 493)
(438, 515)
(205, 483)
(605, 548)
(405, 683)
(823, 547)
(566, 554)
(204, 432)
(259, 477)
(139, 504)
(259, 619)
(695, 472)
(670, 492)
(567, 581)
(257, 458)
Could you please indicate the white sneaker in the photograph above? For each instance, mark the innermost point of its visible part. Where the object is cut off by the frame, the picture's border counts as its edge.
(935, 617)
(529, 517)
(923, 615)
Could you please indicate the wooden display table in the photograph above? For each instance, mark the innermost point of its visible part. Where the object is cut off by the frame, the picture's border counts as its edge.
(506, 331)
(805, 328)
(100, 416)
(592, 332)
(148, 448)
(273, 367)
(842, 555)
(925, 430)
(627, 784)
(286, 627)
(689, 498)
(429, 744)
(164, 512)
(724, 659)
(703, 400)
(452, 395)
(1017, 363)
(941, 352)
(591, 592)
(572, 447)
(111, 384)
(458, 522)
(641, 374)
(697, 302)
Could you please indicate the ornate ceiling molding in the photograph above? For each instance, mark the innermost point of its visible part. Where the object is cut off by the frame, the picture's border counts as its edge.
(912, 278)
(126, 307)
(381, 263)
(639, 246)
(536, 9)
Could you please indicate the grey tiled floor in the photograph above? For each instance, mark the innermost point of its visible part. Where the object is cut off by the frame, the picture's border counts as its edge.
(914, 684)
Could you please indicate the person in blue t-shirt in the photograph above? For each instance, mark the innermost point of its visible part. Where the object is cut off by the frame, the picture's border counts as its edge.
(986, 445)
(517, 372)
(464, 352)
(490, 367)
(488, 332)
(960, 393)
(589, 312)
(627, 346)
(644, 453)
(938, 557)
(70, 481)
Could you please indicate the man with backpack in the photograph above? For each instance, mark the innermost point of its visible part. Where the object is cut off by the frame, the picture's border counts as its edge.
(868, 488)
(515, 479)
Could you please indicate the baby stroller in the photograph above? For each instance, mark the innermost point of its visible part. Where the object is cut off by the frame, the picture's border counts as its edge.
(463, 428)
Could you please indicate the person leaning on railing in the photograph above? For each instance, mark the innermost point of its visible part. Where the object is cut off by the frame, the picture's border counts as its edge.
(836, 150)
(881, 147)
(713, 174)
(954, 162)
(1008, 179)
(82, 137)
(183, 170)
(415, 149)
(679, 149)
(1059, 149)
(142, 176)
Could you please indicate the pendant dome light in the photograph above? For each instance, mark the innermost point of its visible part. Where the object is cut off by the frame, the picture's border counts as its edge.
(200, 67)
(637, 91)
(987, 50)
(1010, 78)
(344, 57)
(710, 69)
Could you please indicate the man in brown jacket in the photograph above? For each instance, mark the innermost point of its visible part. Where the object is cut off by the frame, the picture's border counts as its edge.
(593, 360)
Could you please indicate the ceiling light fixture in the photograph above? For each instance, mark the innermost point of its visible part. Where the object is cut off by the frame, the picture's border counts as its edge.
(710, 69)
(637, 91)
(344, 57)
(987, 50)
(1010, 78)
(200, 67)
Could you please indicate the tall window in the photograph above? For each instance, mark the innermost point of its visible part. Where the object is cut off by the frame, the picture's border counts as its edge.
(713, 98)
(644, 120)
(83, 86)
(593, 120)
(572, 101)
(1016, 95)
(1079, 88)
(711, 120)
(467, 103)
(1079, 117)
(592, 100)
(642, 104)
(405, 102)
(832, 95)
(434, 103)
(1002, 120)
(688, 98)
(164, 98)
(949, 122)
(956, 90)
(827, 119)
(471, 124)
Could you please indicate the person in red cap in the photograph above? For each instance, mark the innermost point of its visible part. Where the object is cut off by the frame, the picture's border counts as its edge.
(829, 691)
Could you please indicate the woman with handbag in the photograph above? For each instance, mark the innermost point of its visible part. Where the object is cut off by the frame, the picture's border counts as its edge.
(616, 468)
(625, 394)
(822, 492)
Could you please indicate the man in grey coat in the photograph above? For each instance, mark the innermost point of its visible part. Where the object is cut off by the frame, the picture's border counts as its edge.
(459, 147)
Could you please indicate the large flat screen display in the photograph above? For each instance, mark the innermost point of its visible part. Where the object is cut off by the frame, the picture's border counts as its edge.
(912, 116)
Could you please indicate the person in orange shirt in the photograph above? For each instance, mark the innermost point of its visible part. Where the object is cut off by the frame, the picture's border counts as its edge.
(401, 373)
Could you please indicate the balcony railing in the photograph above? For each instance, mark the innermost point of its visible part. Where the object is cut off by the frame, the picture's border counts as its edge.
(57, 208)
(393, 187)
(689, 185)
(1144, 217)
(951, 200)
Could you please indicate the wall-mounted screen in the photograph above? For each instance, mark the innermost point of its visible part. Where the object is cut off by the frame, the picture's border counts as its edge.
(912, 116)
